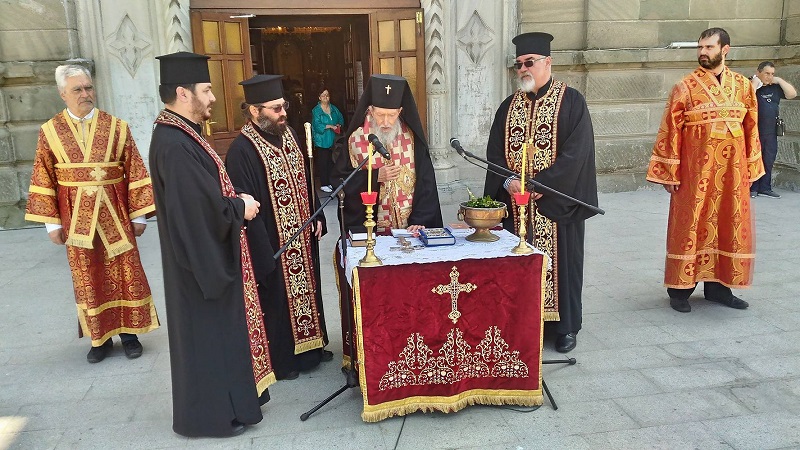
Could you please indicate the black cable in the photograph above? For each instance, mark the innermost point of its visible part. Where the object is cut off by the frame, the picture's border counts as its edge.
(397, 442)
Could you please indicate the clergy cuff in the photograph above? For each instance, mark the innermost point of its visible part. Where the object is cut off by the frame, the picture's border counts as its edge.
(52, 227)
(508, 182)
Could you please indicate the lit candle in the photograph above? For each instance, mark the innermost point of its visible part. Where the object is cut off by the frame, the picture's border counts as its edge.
(369, 169)
(524, 163)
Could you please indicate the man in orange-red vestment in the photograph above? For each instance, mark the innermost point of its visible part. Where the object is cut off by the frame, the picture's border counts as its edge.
(90, 188)
(706, 155)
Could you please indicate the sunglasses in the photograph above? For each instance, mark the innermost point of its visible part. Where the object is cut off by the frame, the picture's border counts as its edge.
(276, 109)
(527, 63)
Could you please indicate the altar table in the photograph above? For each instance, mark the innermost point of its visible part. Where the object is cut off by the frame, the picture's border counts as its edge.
(441, 328)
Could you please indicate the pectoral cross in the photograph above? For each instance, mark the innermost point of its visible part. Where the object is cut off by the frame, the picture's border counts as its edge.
(454, 288)
(388, 88)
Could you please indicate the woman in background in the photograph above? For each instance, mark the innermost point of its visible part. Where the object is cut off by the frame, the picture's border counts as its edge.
(326, 123)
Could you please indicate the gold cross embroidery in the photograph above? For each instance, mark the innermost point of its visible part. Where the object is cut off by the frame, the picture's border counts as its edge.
(388, 88)
(454, 288)
(98, 173)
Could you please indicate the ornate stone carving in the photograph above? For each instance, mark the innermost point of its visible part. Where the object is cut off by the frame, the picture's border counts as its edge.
(178, 36)
(128, 44)
(475, 38)
(434, 43)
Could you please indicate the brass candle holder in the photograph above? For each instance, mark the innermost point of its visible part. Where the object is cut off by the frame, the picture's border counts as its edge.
(522, 248)
(370, 259)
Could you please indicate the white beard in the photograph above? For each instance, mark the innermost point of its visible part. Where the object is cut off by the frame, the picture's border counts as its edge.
(386, 137)
(527, 84)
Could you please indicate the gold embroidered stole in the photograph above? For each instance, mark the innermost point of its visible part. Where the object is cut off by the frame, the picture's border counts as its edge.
(288, 190)
(542, 130)
(395, 197)
(259, 349)
(723, 111)
(90, 162)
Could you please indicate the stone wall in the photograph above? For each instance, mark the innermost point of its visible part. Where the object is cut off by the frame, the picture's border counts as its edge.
(35, 37)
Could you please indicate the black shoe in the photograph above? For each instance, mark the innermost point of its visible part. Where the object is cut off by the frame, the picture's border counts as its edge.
(327, 355)
(753, 194)
(293, 375)
(680, 305)
(97, 354)
(566, 342)
(237, 428)
(732, 302)
(133, 349)
(770, 193)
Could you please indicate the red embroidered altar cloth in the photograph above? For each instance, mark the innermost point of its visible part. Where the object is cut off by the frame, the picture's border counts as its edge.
(422, 349)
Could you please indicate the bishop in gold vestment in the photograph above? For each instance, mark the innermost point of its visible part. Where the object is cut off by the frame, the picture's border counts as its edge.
(707, 154)
(88, 184)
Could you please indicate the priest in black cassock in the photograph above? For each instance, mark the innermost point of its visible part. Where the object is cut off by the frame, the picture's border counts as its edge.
(267, 161)
(406, 184)
(218, 347)
(554, 121)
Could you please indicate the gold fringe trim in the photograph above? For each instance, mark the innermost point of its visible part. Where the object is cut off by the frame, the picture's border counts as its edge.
(79, 242)
(375, 413)
(266, 382)
(118, 249)
(551, 316)
(308, 345)
(42, 219)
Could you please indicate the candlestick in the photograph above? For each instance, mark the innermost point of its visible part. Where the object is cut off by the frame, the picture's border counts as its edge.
(369, 169)
(524, 163)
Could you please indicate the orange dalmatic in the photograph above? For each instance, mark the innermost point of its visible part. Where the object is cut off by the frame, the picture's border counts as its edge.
(89, 178)
(708, 145)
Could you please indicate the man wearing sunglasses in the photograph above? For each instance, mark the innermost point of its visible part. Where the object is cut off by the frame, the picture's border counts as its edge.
(266, 161)
(554, 121)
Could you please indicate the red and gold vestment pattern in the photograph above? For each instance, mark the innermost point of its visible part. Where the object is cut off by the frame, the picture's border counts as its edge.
(259, 349)
(90, 178)
(708, 145)
(395, 197)
(286, 176)
(535, 123)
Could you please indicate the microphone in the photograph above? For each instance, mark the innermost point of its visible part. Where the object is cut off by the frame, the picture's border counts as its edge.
(378, 146)
(457, 145)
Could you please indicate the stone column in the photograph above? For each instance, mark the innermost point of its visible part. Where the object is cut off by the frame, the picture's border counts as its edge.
(123, 38)
(478, 67)
(439, 94)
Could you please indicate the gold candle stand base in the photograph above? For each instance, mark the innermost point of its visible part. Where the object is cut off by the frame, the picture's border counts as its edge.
(370, 259)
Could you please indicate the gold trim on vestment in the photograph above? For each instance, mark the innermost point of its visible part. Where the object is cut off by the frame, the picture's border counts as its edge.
(108, 334)
(42, 219)
(142, 212)
(284, 170)
(40, 190)
(536, 123)
(140, 183)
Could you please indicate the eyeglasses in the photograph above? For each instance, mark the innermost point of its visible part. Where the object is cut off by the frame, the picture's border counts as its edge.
(527, 63)
(276, 109)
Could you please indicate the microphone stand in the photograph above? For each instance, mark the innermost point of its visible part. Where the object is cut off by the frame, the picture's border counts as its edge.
(529, 184)
(533, 183)
(351, 375)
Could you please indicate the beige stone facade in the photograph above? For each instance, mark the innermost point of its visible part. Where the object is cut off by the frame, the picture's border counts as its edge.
(617, 52)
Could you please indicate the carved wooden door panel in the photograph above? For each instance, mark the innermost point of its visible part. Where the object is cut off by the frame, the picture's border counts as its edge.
(397, 39)
(227, 42)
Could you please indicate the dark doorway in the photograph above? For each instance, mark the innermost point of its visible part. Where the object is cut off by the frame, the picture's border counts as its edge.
(313, 53)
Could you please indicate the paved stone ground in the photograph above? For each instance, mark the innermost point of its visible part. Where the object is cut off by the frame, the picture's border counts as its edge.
(647, 376)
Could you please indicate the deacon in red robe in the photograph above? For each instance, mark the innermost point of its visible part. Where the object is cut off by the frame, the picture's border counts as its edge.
(90, 188)
(706, 155)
